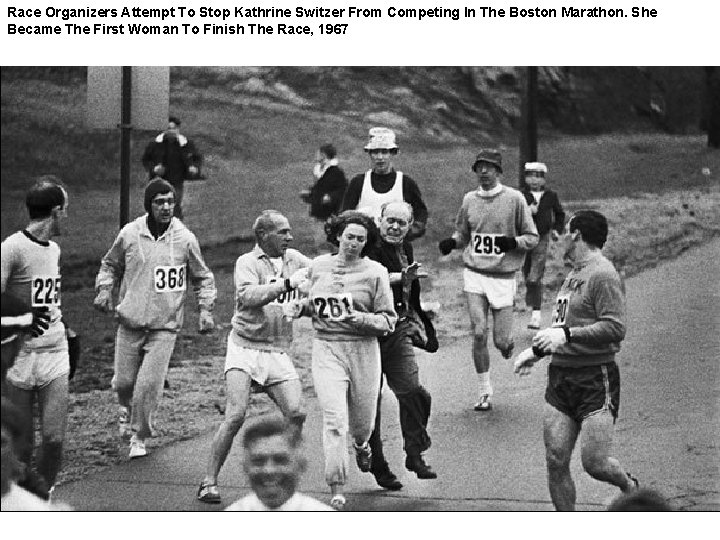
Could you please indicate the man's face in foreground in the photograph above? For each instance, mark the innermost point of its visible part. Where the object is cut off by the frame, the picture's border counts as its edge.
(273, 468)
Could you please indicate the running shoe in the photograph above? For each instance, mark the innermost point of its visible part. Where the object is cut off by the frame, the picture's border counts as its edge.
(124, 422)
(484, 404)
(137, 448)
(208, 493)
(386, 479)
(507, 353)
(363, 457)
(338, 502)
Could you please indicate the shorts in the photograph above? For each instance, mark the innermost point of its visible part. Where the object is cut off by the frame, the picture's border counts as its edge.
(265, 367)
(584, 391)
(37, 369)
(500, 292)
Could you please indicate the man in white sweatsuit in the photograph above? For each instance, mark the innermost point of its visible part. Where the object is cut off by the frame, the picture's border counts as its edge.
(152, 260)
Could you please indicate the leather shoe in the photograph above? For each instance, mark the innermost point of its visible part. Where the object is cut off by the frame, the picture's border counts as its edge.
(386, 479)
(417, 465)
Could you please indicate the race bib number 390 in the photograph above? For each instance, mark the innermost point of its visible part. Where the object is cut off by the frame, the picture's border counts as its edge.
(561, 310)
(170, 278)
(484, 245)
(45, 291)
(333, 307)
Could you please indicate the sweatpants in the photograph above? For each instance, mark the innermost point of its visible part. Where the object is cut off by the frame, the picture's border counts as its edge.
(346, 375)
(142, 358)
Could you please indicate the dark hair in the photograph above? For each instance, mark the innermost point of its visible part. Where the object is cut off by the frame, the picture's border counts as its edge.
(329, 150)
(335, 226)
(45, 194)
(175, 120)
(642, 500)
(269, 425)
(592, 225)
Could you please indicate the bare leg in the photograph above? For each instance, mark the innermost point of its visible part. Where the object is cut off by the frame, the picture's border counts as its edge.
(560, 433)
(53, 411)
(596, 449)
(287, 396)
(237, 391)
(502, 328)
(478, 308)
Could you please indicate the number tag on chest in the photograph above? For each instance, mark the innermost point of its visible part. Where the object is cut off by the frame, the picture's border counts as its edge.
(561, 310)
(484, 245)
(45, 291)
(170, 279)
(333, 307)
(285, 297)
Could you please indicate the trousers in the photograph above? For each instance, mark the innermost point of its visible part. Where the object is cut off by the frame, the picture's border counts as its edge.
(402, 374)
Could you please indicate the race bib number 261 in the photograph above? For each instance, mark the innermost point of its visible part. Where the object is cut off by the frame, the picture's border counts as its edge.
(45, 291)
(170, 278)
(333, 307)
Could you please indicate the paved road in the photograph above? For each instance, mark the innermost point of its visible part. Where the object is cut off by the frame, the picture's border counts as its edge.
(667, 435)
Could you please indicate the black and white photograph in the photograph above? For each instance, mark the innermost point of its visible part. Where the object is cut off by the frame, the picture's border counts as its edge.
(371, 286)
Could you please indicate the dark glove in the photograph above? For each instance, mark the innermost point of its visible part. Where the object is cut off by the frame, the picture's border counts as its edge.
(447, 245)
(432, 344)
(40, 322)
(73, 351)
(505, 243)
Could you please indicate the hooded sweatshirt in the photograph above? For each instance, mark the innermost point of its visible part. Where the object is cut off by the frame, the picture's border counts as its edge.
(484, 216)
(153, 275)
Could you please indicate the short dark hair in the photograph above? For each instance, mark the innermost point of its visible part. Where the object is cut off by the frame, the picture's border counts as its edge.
(335, 226)
(329, 150)
(269, 425)
(175, 120)
(45, 194)
(592, 225)
(642, 500)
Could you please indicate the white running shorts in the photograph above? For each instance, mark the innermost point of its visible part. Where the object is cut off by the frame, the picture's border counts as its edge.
(264, 366)
(500, 292)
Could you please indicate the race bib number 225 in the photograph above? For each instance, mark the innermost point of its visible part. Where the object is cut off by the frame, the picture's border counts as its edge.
(45, 291)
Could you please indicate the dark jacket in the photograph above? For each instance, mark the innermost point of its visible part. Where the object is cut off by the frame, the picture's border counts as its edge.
(383, 184)
(176, 155)
(550, 213)
(333, 183)
(387, 255)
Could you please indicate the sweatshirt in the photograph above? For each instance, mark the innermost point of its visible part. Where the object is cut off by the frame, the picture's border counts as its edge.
(336, 289)
(482, 218)
(153, 275)
(259, 294)
(591, 303)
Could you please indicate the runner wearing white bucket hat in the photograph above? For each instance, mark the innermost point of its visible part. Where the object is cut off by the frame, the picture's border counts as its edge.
(383, 184)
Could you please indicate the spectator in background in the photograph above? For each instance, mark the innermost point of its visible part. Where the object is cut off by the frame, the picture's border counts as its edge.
(549, 218)
(326, 195)
(273, 465)
(382, 184)
(172, 157)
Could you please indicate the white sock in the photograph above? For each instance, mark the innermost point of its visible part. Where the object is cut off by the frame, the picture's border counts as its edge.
(484, 386)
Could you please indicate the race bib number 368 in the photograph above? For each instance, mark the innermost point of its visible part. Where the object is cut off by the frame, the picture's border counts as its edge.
(484, 245)
(45, 291)
(170, 278)
(333, 307)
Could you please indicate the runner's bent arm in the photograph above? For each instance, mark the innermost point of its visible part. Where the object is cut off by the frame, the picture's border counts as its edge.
(382, 320)
(112, 266)
(412, 196)
(202, 277)
(249, 291)
(462, 226)
(7, 264)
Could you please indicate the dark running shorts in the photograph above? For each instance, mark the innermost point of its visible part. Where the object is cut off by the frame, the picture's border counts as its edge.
(581, 392)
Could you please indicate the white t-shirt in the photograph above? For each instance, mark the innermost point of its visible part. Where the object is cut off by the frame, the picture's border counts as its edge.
(297, 503)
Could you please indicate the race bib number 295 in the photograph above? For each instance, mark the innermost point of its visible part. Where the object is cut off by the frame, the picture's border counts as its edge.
(170, 278)
(45, 291)
(484, 244)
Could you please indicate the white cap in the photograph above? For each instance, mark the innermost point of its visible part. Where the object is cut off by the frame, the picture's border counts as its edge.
(381, 139)
(535, 166)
